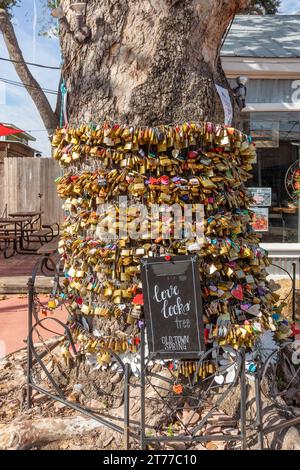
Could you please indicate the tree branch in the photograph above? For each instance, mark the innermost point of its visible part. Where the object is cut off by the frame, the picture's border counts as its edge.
(38, 96)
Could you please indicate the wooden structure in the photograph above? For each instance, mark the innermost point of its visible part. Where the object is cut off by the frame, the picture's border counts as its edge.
(13, 146)
(27, 178)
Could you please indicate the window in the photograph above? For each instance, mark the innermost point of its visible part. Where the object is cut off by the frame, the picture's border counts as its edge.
(277, 136)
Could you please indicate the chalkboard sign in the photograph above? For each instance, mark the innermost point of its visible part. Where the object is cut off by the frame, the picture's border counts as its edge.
(173, 306)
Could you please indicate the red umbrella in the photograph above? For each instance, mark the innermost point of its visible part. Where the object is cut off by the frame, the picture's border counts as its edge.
(5, 130)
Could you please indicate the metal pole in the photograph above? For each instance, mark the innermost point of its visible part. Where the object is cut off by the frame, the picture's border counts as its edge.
(259, 165)
(286, 424)
(29, 351)
(294, 291)
(74, 406)
(243, 399)
(143, 372)
(259, 423)
(298, 201)
(126, 406)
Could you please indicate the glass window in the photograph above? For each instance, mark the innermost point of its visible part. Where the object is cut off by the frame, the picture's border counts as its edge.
(274, 182)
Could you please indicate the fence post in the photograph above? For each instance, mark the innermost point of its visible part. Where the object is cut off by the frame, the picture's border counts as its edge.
(29, 351)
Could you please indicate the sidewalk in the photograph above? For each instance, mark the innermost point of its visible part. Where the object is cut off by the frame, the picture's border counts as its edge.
(15, 271)
(13, 323)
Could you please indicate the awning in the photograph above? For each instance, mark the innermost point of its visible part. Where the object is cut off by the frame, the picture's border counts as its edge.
(5, 130)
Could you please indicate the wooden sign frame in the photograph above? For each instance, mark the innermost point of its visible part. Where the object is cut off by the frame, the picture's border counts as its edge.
(187, 311)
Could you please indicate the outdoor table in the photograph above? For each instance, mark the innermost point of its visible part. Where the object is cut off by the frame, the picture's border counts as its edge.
(18, 223)
(36, 216)
(26, 214)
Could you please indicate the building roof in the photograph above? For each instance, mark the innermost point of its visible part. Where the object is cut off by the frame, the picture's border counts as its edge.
(266, 36)
(24, 134)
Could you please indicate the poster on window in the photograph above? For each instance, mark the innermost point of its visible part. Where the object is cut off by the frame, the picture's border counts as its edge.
(261, 219)
(265, 134)
(261, 196)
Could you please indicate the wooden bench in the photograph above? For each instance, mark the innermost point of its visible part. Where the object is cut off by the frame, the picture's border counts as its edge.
(50, 231)
(54, 229)
(48, 249)
(41, 235)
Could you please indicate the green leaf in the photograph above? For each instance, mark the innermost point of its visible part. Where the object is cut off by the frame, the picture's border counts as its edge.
(261, 7)
(170, 431)
(9, 4)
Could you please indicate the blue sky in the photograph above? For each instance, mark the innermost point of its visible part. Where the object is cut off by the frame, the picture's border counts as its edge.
(290, 6)
(16, 105)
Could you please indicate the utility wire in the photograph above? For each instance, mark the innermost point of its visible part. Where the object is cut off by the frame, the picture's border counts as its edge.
(30, 63)
(23, 85)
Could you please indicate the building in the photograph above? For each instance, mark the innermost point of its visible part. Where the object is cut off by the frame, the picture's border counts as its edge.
(15, 145)
(266, 50)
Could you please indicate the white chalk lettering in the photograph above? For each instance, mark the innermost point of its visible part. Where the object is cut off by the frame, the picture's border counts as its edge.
(179, 308)
(175, 343)
(182, 324)
(165, 294)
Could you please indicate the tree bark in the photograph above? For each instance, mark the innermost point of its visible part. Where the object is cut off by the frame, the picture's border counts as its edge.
(25, 435)
(38, 96)
(148, 62)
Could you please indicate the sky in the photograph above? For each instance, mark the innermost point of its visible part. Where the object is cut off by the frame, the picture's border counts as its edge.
(289, 7)
(16, 106)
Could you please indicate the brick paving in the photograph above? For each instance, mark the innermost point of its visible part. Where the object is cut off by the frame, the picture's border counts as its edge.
(13, 323)
(14, 272)
(18, 265)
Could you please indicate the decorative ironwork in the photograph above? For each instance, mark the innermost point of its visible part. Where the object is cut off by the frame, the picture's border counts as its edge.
(34, 358)
(173, 391)
(290, 181)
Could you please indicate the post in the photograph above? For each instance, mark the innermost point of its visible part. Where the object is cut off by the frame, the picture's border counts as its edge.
(243, 399)
(126, 405)
(29, 351)
(259, 422)
(143, 372)
(294, 291)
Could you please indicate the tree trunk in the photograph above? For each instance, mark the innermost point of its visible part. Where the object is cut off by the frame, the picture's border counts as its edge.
(148, 62)
(25, 435)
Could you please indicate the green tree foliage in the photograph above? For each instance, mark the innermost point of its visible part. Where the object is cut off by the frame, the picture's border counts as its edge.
(48, 25)
(269, 7)
(5, 4)
(8, 4)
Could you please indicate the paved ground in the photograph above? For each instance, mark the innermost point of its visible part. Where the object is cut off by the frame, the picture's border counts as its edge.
(19, 284)
(14, 274)
(18, 265)
(15, 271)
(13, 323)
